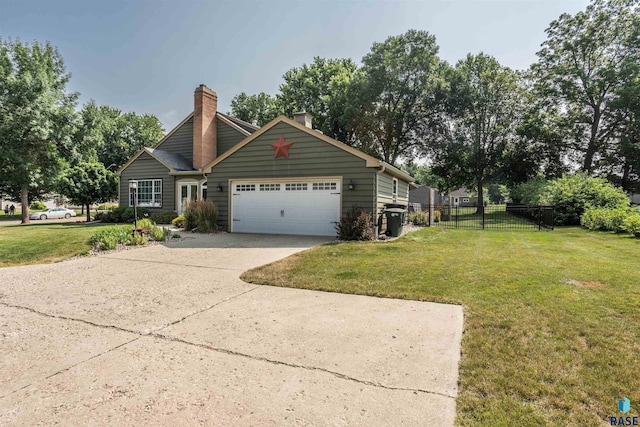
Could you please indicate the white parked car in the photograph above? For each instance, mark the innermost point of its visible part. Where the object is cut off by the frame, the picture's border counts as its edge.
(53, 213)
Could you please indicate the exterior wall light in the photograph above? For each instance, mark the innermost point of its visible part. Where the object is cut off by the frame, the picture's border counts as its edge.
(351, 185)
(219, 187)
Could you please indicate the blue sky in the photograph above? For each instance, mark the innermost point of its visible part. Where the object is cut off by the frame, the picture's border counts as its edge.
(149, 56)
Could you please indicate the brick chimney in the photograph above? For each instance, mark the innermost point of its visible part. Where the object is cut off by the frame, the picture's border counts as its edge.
(204, 126)
(303, 118)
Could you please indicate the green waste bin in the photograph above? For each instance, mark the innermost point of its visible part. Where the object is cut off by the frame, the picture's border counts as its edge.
(395, 219)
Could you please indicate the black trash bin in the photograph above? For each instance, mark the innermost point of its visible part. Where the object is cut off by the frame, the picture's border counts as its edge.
(395, 206)
(395, 219)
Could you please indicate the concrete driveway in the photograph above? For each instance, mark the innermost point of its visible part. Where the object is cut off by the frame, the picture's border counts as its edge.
(169, 334)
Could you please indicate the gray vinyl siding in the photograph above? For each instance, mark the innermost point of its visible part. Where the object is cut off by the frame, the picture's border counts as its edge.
(403, 191)
(146, 167)
(181, 142)
(227, 137)
(385, 190)
(308, 157)
(385, 193)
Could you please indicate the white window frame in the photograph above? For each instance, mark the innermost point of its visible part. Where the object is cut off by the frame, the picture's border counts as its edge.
(156, 196)
(394, 189)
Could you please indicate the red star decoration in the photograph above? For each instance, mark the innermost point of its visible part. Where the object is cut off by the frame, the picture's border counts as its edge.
(281, 147)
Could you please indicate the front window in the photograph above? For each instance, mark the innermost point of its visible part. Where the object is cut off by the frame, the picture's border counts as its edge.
(149, 193)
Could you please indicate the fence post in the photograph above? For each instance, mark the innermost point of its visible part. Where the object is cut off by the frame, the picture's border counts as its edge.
(456, 217)
(483, 210)
(540, 213)
(431, 210)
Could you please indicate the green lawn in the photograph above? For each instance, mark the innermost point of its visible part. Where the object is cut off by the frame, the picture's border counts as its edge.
(8, 217)
(38, 243)
(552, 319)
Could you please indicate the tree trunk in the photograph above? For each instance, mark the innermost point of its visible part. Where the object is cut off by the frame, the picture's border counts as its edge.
(480, 209)
(593, 146)
(88, 213)
(24, 200)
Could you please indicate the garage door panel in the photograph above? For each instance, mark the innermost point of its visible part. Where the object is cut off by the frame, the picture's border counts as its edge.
(302, 207)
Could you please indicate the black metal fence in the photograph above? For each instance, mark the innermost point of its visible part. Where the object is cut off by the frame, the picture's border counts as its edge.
(491, 217)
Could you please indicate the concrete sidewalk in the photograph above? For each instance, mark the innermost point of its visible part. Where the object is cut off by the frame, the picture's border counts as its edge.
(169, 335)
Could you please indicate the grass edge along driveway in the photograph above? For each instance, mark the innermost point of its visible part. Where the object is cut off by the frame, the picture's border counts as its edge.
(552, 319)
(40, 243)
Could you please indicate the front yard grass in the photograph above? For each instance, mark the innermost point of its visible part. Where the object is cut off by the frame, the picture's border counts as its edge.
(552, 319)
(39, 243)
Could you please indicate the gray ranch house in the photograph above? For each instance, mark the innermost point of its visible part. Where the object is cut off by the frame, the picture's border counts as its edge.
(282, 178)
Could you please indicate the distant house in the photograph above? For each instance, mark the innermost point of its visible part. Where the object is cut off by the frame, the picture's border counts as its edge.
(283, 178)
(462, 198)
(420, 195)
(635, 199)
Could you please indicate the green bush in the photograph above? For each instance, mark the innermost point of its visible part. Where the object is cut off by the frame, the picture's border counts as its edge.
(437, 215)
(632, 224)
(121, 215)
(594, 219)
(159, 234)
(528, 193)
(136, 240)
(355, 225)
(146, 223)
(419, 218)
(200, 216)
(156, 233)
(178, 221)
(573, 194)
(37, 206)
(163, 217)
(108, 238)
(605, 219)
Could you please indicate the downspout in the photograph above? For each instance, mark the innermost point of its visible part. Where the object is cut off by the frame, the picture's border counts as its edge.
(375, 218)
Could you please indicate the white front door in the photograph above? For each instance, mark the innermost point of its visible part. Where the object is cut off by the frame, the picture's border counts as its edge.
(186, 191)
(304, 207)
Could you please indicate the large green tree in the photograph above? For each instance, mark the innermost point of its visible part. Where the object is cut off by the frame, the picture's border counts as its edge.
(580, 69)
(88, 183)
(398, 108)
(259, 109)
(323, 90)
(484, 107)
(424, 176)
(107, 135)
(36, 116)
(623, 157)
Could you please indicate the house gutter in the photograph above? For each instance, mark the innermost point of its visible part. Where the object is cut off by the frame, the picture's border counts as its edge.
(193, 172)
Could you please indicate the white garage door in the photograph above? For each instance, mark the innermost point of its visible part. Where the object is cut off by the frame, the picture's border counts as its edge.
(306, 207)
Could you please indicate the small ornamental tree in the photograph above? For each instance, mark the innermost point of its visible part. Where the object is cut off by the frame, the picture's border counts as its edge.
(88, 183)
(36, 119)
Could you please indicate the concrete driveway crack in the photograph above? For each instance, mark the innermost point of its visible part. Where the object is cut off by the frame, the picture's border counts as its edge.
(180, 264)
(295, 365)
(157, 335)
(206, 309)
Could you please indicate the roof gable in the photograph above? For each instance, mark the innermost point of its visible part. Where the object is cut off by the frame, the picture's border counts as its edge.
(175, 159)
(175, 162)
(247, 127)
(370, 161)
